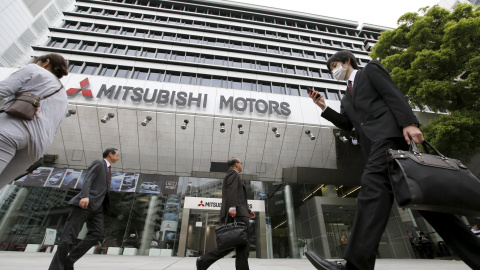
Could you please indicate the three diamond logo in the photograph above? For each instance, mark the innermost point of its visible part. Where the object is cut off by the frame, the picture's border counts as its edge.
(201, 204)
(85, 92)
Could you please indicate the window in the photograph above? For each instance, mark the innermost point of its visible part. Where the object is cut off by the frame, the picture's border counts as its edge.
(178, 56)
(148, 53)
(140, 74)
(148, 18)
(183, 38)
(304, 90)
(141, 33)
(294, 37)
(56, 43)
(297, 53)
(322, 92)
(155, 75)
(205, 80)
(275, 67)
(161, 19)
(155, 34)
(236, 44)
(102, 47)
(278, 88)
(162, 54)
(172, 76)
(82, 9)
(174, 21)
(128, 31)
(70, 25)
(71, 44)
(191, 57)
(207, 59)
(123, 72)
(289, 69)
(247, 46)
(113, 30)
(261, 48)
(302, 71)
(209, 41)
(90, 69)
(310, 55)
(264, 87)
(168, 36)
(100, 28)
(195, 39)
(271, 34)
(221, 43)
(315, 72)
(133, 51)
(221, 61)
(109, 13)
(235, 62)
(219, 82)
(121, 14)
(107, 70)
(292, 90)
(286, 51)
(136, 16)
(188, 78)
(262, 65)
(333, 94)
(273, 49)
(74, 67)
(118, 49)
(95, 11)
(326, 74)
(321, 56)
(84, 26)
(235, 83)
(283, 35)
(249, 85)
(248, 64)
(87, 46)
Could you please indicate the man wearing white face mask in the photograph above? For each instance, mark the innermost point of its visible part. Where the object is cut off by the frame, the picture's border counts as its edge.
(383, 119)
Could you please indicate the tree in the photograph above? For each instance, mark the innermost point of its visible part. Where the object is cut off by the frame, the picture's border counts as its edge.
(434, 58)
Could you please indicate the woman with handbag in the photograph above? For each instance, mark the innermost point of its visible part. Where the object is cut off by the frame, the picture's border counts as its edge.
(35, 106)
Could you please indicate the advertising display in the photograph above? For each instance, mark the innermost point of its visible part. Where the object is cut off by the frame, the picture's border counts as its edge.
(129, 183)
(55, 178)
(37, 178)
(150, 183)
(170, 184)
(71, 178)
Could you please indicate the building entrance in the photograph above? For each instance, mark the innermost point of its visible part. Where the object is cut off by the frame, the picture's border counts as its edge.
(200, 218)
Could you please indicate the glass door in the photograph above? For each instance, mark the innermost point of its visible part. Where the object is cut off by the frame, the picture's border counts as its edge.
(201, 232)
(338, 224)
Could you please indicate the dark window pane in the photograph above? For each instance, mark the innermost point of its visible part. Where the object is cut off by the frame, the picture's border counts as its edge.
(262, 65)
(168, 36)
(315, 72)
(127, 31)
(172, 77)
(333, 95)
(71, 44)
(191, 57)
(132, 51)
(74, 67)
(207, 59)
(155, 34)
(292, 90)
(249, 85)
(155, 75)
(121, 14)
(275, 67)
(183, 38)
(205, 80)
(118, 49)
(235, 62)
(286, 51)
(236, 83)
(236, 44)
(289, 69)
(107, 70)
(278, 88)
(220, 60)
(320, 56)
(85, 26)
(141, 33)
(89, 69)
(148, 53)
(264, 87)
(322, 91)
(261, 48)
(140, 74)
(302, 71)
(219, 82)
(123, 72)
(178, 56)
(297, 53)
(162, 54)
(113, 30)
(310, 55)
(102, 48)
(273, 49)
(57, 43)
(248, 64)
(188, 78)
(326, 74)
(209, 41)
(304, 90)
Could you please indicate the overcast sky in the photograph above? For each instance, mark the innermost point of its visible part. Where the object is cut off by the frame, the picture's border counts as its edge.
(378, 12)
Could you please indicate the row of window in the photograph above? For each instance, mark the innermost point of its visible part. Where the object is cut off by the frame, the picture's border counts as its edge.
(188, 57)
(246, 16)
(169, 36)
(221, 27)
(197, 79)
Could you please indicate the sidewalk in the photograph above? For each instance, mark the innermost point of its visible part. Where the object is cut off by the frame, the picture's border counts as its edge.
(11, 260)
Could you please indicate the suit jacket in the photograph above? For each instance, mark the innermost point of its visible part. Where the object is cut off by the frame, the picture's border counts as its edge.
(377, 110)
(95, 187)
(234, 193)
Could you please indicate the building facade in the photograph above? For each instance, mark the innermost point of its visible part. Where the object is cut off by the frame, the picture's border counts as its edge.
(179, 87)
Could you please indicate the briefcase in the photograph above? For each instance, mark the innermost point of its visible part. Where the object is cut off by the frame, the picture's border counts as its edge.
(230, 235)
(433, 182)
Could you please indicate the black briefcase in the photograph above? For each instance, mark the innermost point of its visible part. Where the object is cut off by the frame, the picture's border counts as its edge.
(432, 182)
(230, 235)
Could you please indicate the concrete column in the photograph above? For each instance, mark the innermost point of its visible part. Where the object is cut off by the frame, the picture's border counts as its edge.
(14, 210)
(292, 230)
(329, 191)
(149, 226)
(261, 237)
(182, 241)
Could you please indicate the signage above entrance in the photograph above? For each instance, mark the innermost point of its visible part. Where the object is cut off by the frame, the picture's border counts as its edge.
(202, 203)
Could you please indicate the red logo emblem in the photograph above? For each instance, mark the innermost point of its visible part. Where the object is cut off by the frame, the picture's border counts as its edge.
(201, 204)
(85, 92)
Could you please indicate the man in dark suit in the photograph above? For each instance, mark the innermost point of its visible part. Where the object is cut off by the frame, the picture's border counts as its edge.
(234, 198)
(87, 206)
(382, 119)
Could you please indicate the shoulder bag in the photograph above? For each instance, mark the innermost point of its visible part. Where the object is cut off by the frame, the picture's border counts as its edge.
(25, 105)
(432, 182)
(230, 235)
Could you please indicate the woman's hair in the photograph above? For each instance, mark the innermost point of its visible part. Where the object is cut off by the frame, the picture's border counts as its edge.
(57, 62)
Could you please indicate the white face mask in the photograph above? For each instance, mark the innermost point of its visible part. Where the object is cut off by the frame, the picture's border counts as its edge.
(339, 73)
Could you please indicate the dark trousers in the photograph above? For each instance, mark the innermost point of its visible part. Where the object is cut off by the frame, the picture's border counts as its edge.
(242, 252)
(78, 216)
(374, 203)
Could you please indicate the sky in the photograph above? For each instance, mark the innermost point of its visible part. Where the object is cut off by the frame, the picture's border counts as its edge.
(378, 12)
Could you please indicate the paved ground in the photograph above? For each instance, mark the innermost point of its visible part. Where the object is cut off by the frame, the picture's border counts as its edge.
(11, 260)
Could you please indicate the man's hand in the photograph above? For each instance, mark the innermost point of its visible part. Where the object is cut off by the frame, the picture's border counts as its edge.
(252, 214)
(414, 132)
(232, 212)
(318, 99)
(84, 203)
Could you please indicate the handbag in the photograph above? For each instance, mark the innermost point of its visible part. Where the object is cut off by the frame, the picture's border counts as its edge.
(25, 105)
(231, 235)
(432, 182)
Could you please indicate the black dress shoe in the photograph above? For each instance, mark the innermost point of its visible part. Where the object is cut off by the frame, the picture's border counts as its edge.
(322, 264)
(200, 265)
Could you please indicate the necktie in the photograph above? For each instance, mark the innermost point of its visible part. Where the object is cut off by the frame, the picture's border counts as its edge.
(109, 177)
(350, 87)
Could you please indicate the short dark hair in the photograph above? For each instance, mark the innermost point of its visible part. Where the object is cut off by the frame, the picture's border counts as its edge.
(108, 151)
(58, 63)
(342, 56)
(232, 161)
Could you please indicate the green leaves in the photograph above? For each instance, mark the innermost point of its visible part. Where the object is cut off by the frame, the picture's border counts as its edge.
(434, 58)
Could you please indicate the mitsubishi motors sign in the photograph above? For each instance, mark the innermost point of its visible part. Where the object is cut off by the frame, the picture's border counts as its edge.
(201, 203)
